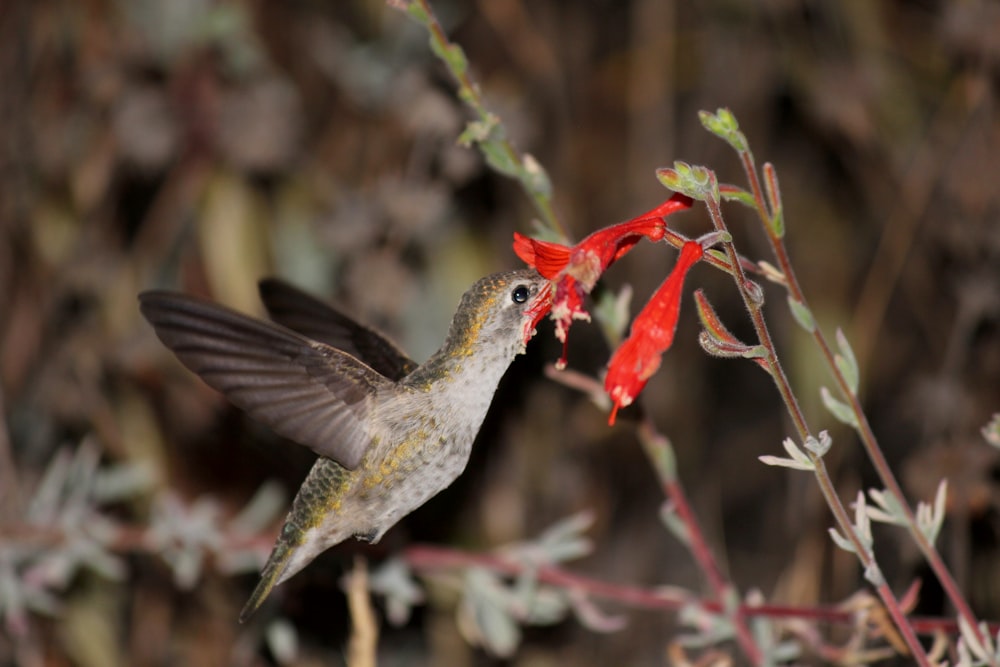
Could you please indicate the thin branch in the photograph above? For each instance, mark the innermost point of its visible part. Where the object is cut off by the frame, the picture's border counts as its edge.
(827, 488)
(660, 454)
(864, 430)
(470, 92)
(428, 559)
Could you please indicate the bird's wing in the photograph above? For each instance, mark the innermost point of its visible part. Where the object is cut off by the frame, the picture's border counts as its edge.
(293, 308)
(305, 390)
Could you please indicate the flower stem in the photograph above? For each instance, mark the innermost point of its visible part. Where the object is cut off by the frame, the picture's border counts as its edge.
(867, 436)
(656, 447)
(754, 307)
(470, 92)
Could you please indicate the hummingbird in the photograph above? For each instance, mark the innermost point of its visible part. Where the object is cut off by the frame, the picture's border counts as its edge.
(390, 433)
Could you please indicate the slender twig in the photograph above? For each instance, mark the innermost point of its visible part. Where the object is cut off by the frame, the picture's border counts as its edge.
(827, 488)
(867, 436)
(470, 92)
(426, 559)
(660, 454)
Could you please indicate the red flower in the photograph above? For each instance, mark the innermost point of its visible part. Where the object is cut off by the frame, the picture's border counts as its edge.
(575, 269)
(635, 361)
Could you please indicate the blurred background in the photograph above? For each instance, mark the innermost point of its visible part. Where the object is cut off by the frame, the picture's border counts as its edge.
(201, 146)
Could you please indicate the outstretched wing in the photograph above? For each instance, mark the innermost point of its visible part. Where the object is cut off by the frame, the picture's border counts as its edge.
(305, 390)
(293, 308)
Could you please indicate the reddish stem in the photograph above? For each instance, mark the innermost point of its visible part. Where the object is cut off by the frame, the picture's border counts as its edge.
(867, 436)
(657, 449)
(430, 558)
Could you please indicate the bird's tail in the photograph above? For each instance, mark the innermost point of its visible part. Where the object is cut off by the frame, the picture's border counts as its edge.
(274, 573)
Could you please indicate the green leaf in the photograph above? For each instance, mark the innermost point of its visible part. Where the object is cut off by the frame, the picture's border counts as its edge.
(777, 223)
(487, 128)
(452, 55)
(819, 446)
(930, 517)
(417, 13)
(873, 574)
(694, 181)
(718, 254)
(784, 463)
(846, 362)
(723, 125)
(534, 176)
(798, 460)
(842, 541)
(842, 411)
(802, 314)
(888, 511)
(499, 158)
(674, 524)
(724, 349)
(612, 312)
(737, 194)
(991, 432)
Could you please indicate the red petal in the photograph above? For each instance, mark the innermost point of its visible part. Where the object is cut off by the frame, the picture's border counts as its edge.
(548, 258)
(635, 360)
(676, 203)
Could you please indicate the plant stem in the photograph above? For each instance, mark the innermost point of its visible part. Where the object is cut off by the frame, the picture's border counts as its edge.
(864, 430)
(826, 485)
(427, 559)
(657, 449)
(469, 91)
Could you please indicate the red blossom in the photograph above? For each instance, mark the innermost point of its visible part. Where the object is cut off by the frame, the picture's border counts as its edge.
(635, 361)
(576, 269)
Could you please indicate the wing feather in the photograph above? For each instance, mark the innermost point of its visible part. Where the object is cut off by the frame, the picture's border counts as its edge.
(301, 312)
(305, 390)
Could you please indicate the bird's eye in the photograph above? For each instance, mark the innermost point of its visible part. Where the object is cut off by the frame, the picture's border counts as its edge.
(520, 294)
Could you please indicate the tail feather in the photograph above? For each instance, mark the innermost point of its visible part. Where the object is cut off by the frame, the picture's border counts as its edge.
(272, 575)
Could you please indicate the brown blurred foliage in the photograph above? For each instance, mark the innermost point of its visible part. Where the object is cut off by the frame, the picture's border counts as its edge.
(203, 145)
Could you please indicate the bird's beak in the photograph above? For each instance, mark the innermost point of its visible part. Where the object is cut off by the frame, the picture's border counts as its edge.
(537, 309)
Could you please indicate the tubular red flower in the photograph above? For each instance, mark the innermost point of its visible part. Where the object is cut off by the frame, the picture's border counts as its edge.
(576, 269)
(635, 361)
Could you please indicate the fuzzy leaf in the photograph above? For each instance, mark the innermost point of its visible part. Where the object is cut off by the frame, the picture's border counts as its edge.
(726, 349)
(737, 194)
(534, 176)
(846, 362)
(612, 313)
(862, 522)
(785, 463)
(695, 181)
(417, 12)
(820, 446)
(674, 524)
(723, 125)
(776, 221)
(772, 273)
(802, 314)
(991, 432)
(842, 411)
(452, 55)
(499, 157)
(930, 517)
(842, 541)
(873, 574)
(591, 616)
(888, 511)
(719, 255)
